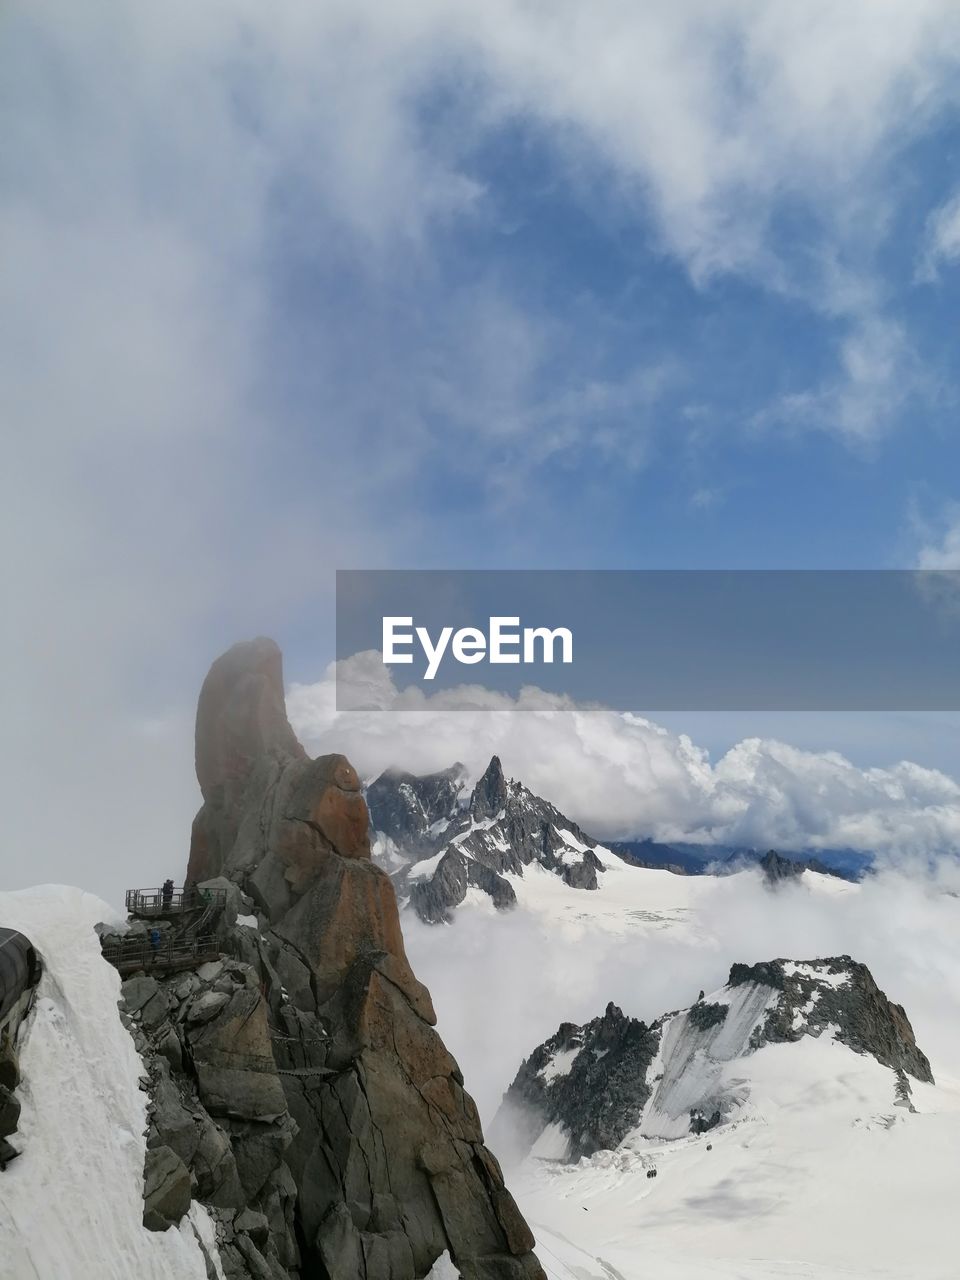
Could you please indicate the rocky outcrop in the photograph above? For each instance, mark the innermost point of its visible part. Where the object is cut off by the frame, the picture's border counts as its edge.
(415, 811)
(438, 843)
(778, 870)
(435, 897)
(589, 1082)
(298, 1081)
(219, 1123)
(588, 1087)
(836, 993)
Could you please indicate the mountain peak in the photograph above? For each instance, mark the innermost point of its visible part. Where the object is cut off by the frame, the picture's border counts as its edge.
(588, 1087)
(311, 1023)
(438, 844)
(490, 793)
(242, 714)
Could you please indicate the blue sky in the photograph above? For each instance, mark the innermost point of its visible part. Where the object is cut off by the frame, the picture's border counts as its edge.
(577, 392)
(530, 284)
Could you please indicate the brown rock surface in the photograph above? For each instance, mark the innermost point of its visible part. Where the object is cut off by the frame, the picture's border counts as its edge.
(387, 1159)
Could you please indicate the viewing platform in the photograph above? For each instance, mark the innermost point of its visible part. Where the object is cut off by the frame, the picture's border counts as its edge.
(154, 904)
(140, 952)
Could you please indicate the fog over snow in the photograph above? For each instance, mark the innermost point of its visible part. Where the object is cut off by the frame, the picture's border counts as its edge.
(906, 929)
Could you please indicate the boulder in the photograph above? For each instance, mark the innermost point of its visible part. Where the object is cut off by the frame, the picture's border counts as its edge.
(166, 1189)
(215, 1167)
(138, 991)
(207, 1005)
(173, 1124)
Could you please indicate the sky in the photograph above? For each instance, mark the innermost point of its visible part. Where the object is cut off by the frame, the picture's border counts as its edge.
(513, 284)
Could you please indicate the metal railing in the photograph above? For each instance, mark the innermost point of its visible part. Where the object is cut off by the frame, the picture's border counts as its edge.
(156, 902)
(142, 952)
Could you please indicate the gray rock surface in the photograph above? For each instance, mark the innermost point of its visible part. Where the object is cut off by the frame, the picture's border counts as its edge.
(865, 1020)
(410, 808)
(298, 1080)
(501, 827)
(596, 1092)
(166, 1189)
(20, 971)
(597, 1082)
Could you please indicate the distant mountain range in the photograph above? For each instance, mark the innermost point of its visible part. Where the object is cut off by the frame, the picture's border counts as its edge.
(443, 841)
(720, 859)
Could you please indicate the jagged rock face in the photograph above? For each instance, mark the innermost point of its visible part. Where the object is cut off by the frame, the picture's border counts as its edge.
(490, 794)
(416, 810)
(438, 851)
(589, 1087)
(779, 870)
(19, 975)
(219, 1120)
(302, 1084)
(841, 993)
(590, 1082)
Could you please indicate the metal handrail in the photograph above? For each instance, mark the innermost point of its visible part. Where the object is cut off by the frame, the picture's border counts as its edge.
(140, 952)
(154, 902)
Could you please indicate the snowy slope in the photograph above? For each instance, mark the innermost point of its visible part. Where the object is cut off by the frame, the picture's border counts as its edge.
(71, 1207)
(822, 1177)
(446, 845)
(638, 900)
(817, 1160)
(819, 1175)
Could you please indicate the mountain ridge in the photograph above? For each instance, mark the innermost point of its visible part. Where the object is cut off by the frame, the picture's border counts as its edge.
(587, 1087)
(439, 839)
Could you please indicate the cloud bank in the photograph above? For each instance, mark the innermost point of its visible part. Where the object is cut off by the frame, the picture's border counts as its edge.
(622, 775)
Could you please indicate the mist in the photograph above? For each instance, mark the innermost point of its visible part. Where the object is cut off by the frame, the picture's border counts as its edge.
(502, 983)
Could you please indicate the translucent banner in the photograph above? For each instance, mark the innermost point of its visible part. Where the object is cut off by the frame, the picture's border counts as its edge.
(658, 640)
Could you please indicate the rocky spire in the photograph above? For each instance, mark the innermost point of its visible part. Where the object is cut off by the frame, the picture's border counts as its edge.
(245, 751)
(241, 714)
(490, 793)
(385, 1156)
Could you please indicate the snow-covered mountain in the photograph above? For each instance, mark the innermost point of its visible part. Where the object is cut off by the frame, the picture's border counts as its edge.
(588, 1087)
(440, 842)
(71, 1207)
(446, 844)
(785, 1125)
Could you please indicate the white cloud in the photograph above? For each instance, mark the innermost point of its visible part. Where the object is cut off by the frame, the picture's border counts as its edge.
(620, 775)
(163, 163)
(878, 374)
(942, 244)
(942, 551)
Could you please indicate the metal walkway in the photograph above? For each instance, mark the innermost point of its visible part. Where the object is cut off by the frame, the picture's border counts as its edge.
(152, 904)
(138, 952)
